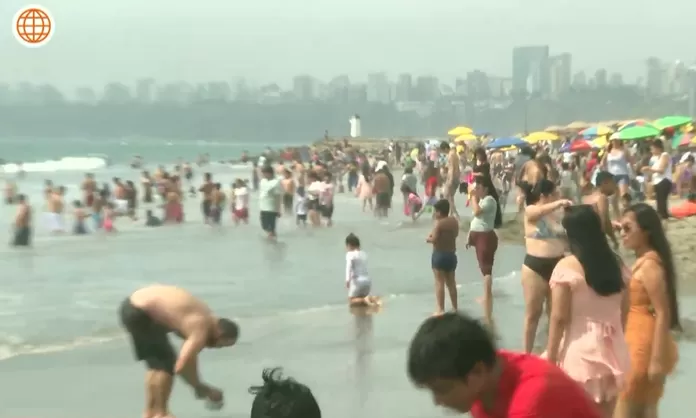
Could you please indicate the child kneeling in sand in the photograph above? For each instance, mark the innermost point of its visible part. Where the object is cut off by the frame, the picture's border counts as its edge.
(358, 281)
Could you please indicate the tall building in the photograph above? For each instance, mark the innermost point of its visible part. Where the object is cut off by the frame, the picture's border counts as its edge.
(378, 88)
(616, 80)
(600, 78)
(655, 78)
(560, 74)
(145, 90)
(530, 69)
(304, 87)
(677, 79)
(477, 85)
(427, 88)
(403, 89)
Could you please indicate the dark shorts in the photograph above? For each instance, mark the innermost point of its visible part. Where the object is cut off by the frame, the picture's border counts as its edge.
(486, 244)
(268, 221)
(444, 261)
(215, 214)
(22, 237)
(313, 204)
(543, 266)
(205, 209)
(302, 218)
(326, 211)
(150, 341)
(383, 200)
(287, 202)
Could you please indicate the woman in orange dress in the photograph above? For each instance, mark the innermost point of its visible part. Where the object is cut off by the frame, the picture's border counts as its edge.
(653, 313)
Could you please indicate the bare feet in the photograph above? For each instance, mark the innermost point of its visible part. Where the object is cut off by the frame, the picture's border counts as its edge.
(438, 313)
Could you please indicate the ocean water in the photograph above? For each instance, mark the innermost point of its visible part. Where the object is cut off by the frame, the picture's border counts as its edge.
(62, 353)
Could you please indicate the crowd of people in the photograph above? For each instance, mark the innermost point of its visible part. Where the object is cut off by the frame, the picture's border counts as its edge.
(609, 345)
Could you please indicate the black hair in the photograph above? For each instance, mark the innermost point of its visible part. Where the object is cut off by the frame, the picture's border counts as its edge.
(444, 146)
(565, 166)
(267, 169)
(532, 193)
(449, 346)
(649, 222)
(528, 151)
(657, 143)
(487, 182)
(228, 329)
(353, 241)
(281, 397)
(589, 245)
(603, 176)
(480, 154)
(442, 207)
(408, 170)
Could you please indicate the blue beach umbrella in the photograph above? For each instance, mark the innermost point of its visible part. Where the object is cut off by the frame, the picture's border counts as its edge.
(511, 141)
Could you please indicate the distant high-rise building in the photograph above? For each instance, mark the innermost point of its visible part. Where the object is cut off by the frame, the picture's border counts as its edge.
(655, 78)
(378, 88)
(677, 79)
(579, 80)
(477, 86)
(304, 87)
(530, 69)
(427, 88)
(600, 78)
(560, 74)
(404, 87)
(616, 80)
(145, 90)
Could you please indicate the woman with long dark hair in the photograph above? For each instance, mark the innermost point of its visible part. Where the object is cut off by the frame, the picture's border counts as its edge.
(588, 304)
(653, 313)
(488, 216)
(545, 246)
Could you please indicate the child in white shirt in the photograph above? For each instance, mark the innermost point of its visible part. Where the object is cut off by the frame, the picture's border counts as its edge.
(301, 207)
(240, 202)
(358, 282)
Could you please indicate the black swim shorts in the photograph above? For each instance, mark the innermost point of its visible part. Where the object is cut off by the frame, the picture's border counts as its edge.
(150, 341)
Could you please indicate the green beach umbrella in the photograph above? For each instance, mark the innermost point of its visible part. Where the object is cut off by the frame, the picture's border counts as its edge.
(636, 132)
(671, 122)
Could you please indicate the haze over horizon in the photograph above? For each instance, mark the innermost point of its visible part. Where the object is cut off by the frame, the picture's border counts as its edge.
(273, 40)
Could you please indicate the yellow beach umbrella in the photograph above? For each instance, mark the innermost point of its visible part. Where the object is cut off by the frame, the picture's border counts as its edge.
(535, 137)
(555, 128)
(600, 142)
(460, 130)
(465, 137)
(577, 125)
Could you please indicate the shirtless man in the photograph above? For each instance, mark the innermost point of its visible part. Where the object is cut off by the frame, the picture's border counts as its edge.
(452, 179)
(206, 189)
(54, 206)
(382, 190)
(217, 203)
(288, 185)
(89, 188)
(444, 259)
(22, 224)
(149, 314)
(599, 199)
(120, 197)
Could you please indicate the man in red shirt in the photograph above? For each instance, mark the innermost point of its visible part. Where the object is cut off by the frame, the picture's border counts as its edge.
(454, 357)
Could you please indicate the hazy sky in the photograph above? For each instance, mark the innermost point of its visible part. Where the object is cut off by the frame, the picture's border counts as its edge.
(98, 41)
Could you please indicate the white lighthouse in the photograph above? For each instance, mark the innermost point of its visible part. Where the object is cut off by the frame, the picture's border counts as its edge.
(355, 126)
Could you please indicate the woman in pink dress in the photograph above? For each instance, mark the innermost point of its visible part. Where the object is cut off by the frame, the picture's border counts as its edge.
(589, 303)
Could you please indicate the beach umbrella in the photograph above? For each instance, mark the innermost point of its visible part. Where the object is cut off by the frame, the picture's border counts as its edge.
(578, 145)
(631, 123)
(460, 130)
(594, 131)
(465, 137)
(600, 142)
(506, 142)
(577, 125)
(671, 122)
(636, 132)
(555, 128)
(682, 140)
(535, 137)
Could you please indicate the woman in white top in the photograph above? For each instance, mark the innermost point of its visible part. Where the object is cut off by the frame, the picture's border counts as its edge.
(358, 281)
(660, 169)
(618, 162)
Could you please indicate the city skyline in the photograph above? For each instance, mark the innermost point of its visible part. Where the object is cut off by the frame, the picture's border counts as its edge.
(537, 71)
(270, 40)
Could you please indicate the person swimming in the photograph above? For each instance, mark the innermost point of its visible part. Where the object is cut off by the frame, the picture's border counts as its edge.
(80, 215)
